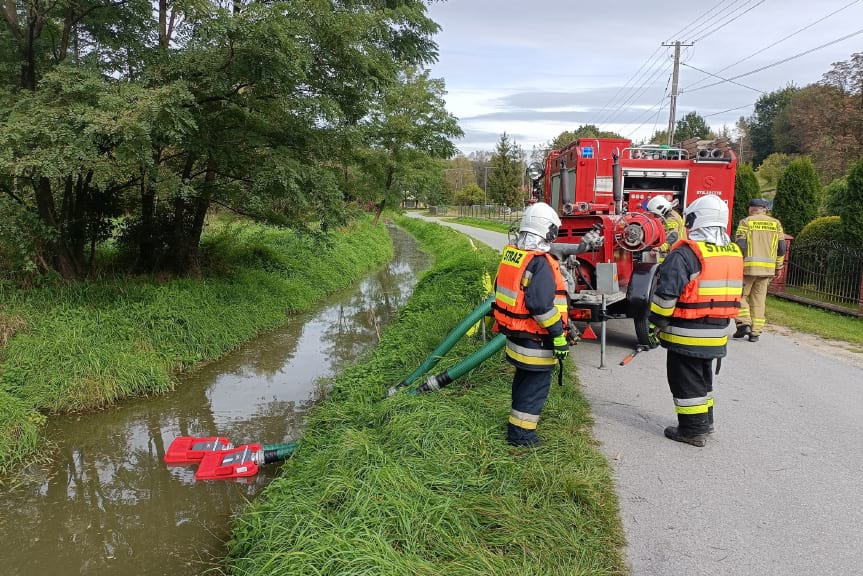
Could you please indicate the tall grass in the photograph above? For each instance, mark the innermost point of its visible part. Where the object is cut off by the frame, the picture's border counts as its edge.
(90, 344)
(426, 485)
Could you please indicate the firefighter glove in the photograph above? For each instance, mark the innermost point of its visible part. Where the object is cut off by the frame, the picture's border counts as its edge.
(592, 240)
(652, 335)
(561, 348)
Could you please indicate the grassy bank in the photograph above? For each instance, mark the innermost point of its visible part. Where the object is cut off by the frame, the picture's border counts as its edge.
(78, 346)
(492, 225)
(823, 323)
(426, 485)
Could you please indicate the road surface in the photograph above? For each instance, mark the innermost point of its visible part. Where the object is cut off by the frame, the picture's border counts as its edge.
(778, 490)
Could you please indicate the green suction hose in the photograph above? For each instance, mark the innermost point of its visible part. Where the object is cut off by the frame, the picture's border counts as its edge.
(434, 383)
(445, 346)
(278, 452)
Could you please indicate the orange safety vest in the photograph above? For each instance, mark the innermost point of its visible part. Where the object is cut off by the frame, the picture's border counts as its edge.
(717, 290)
(510, 310)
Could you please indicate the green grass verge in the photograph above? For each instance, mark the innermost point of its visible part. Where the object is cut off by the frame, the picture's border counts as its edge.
(426, 485)
(484, 224)
(813, 320)
(88, 344)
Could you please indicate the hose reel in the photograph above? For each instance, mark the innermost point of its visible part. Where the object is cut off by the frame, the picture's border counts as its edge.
(638, 231)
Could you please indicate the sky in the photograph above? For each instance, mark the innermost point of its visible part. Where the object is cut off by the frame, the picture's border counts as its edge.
(534, 69)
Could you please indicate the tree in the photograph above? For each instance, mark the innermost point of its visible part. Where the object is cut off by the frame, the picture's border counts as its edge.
(772, 168)
(470, 195)
(797, 195)
(833, 197)
(745, 189)
(767, 108)
(459, 173)
(693, 125)
(505, 173)
(583, 131)
(659, 137)
(851, 207)
(409, 122)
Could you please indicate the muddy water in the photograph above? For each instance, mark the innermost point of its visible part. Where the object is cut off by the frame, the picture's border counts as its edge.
(109, 505)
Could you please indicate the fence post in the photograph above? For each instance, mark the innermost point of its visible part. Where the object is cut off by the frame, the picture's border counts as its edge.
(778, 283)
(860, 297)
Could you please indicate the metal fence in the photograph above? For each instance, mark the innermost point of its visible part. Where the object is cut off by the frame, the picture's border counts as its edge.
(826, 271)
(494, 212)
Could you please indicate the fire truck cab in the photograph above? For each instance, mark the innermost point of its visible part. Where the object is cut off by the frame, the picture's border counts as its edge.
(605, 184)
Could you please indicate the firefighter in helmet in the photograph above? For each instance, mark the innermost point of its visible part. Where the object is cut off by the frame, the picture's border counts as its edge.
(697, 294)
(762, 241)
(672, 221)
(531, 310)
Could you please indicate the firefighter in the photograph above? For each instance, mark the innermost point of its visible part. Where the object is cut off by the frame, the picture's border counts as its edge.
(531, 310)
(697, 294)
(762, 241)
(672, 221)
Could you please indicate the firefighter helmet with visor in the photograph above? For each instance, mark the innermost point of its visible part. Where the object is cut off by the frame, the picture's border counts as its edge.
(542, 220)
(660, 205)
(705, 212)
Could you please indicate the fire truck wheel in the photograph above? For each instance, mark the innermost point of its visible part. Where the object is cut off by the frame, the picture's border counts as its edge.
(642, 330)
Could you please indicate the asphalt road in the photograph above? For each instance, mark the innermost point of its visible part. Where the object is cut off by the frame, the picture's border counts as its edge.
(778, 490)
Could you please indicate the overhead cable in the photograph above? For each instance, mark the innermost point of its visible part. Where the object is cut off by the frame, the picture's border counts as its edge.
(727, 22)
(721, 78)
(781, 40)
(777, 63)
(727, 8)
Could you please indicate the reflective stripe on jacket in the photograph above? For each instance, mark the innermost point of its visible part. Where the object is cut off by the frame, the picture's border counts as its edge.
(717, 290)
(761, 235)
(523, 328)
(675, 230)
(695, 323)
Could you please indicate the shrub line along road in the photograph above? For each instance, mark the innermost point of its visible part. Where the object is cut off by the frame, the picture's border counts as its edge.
(778, 490)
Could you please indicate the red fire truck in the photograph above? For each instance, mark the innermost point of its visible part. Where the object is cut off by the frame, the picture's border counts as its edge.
(605, 183)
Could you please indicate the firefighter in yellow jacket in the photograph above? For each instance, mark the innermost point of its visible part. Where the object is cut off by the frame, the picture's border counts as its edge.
(675, 229)
(762, 241)
(531, 310)
(697, 294)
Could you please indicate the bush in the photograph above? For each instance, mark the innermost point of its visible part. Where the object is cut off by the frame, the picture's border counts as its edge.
(824, 229)
(797, 196)
(469, 195)
(851, 207)
(20, 235)
(745, 189)
(833, 197)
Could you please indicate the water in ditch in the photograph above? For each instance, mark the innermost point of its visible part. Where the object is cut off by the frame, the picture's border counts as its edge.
(107, 504)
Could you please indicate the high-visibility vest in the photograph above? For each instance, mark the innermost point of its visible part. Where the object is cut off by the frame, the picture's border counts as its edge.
(762, 234)
(509, 307)
(717, 290)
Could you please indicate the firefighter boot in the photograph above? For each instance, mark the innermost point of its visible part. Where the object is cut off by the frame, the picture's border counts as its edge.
(673, 433)
(753, 337)
(743, 330)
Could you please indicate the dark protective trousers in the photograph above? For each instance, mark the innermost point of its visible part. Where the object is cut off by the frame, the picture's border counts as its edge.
(691, 383)
(529, 393)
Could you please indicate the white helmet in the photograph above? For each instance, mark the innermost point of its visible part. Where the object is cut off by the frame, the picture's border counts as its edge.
(542, 220)
(707, 211)
(660, 205)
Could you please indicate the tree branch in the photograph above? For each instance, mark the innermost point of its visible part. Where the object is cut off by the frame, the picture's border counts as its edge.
(12, 195)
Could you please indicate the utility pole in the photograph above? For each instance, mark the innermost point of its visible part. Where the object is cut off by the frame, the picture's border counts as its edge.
(673, 107)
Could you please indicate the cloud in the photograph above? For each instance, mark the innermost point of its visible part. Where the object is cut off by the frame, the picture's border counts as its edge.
(538, 70)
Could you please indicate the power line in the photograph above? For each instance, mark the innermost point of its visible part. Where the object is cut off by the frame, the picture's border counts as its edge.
(728, 110)
(795, 33)
(651, 61)
(777, 63)
(727, 22)
(636, 94)
(721, 78)
(727, 8)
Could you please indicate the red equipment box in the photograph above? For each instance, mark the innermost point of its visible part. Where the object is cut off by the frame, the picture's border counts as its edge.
(238, 462)
(188, 449)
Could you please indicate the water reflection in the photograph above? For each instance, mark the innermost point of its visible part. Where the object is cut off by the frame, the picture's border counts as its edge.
(109, 505)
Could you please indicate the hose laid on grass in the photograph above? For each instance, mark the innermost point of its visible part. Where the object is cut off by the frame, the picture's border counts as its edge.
(278, 452)
(445, 346)
(434, 383)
